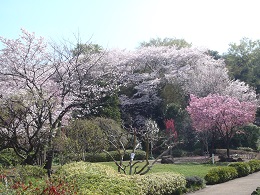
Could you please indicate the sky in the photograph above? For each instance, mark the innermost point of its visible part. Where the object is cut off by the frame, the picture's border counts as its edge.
(212, 24)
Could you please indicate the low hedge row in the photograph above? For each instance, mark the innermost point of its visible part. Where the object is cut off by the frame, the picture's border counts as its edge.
(100, 179)
(220, 175)
(162, 183)
(242, 168)
(233, 170)
(104, 157)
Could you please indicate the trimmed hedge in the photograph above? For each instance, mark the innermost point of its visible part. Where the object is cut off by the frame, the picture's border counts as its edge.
(233, 170)
(220, 174)
(162, 183)
(254, 165)
(104, 157)
(243, 168)
(92, 178)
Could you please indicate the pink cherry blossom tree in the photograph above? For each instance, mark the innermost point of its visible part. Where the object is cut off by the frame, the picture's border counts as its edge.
(222, 113)
(51, 81)
(192, 69)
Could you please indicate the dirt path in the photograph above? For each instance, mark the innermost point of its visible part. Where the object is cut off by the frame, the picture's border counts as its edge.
(241, 186)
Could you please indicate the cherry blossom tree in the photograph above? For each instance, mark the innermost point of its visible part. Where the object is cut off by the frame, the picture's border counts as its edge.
(52, 81)
(222, 113)
(194, 70)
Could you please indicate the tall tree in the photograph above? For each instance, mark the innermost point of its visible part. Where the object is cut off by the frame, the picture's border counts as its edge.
(51, 81)
(157, 42)
(188, 70)
(243, 61)
(222, 113)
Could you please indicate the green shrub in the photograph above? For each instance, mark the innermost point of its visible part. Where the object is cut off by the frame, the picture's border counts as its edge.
(243, 169)
(91, 178)
(104, 157)
(98, 157)
(9, 158)
(194, 182)
(254, 165)
(256, 192)
(177, 153)
(162, 183)
(220, 175)
(26, 171)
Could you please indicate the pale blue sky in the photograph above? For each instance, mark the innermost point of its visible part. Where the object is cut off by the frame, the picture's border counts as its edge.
(125, 23)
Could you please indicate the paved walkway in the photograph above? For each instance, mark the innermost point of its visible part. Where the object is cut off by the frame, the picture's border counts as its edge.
(240, 186)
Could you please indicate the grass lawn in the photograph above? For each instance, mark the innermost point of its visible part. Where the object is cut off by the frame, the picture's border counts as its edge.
(189, 169)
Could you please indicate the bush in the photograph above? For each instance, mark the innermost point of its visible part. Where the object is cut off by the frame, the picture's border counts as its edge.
(194, 182)
(243, 169)
(177, 153)
(93, 178)
(220, 175)
(256, 192)
(254, 165)
(98, 157)
(162, 183)
(104, 157)
(9, 158)
(26, 171)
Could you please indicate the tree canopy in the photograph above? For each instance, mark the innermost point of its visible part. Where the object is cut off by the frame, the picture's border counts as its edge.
(220, 113)
(243, 61)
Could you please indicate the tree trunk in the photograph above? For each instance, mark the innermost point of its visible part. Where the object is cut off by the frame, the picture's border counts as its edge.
(29, 160)
(48, 163)
(228, 155)
(228, 152)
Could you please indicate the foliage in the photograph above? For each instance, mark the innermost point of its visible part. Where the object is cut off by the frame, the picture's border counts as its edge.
(194, 183)
(170, 128)
(9, 158)
(24, 172)
(97, 179)
(220, 174)
(162, 183)
(243, 169)
(248, 137)
(243, 61)
(254, 165)
(115, 135)
(256, 192)
(172, 93)
(85, 49)
(53, 186)
(157, 42)
(48, 81)
(220, 113)
(104, 157)
(189, 70)
(86, 136)
(110, 108)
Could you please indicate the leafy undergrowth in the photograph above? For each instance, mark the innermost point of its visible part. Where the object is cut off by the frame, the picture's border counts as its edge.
(88, 178)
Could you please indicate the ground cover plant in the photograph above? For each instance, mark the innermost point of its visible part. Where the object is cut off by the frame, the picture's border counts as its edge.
(89, 178)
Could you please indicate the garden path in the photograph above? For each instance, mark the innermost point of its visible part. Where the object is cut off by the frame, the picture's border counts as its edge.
(240, 186)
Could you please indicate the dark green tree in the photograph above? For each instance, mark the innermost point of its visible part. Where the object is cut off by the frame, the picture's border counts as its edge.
(178, 43)
(86, 49)
(214, 54)
(243, 61)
